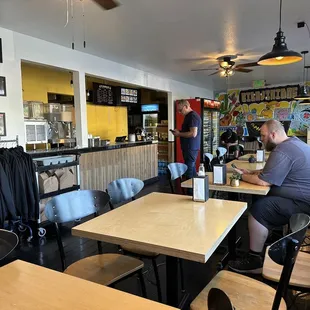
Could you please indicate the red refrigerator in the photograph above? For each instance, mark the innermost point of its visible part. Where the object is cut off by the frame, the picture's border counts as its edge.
(209, 111)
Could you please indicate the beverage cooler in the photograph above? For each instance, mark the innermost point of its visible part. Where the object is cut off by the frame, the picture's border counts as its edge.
(209, 111)
(211, 132)
(150, 119)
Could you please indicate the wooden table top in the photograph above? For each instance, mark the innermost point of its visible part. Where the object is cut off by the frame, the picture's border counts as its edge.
(25, 286)
(168, 224)
(244, 188)
(244, 165)
(247, 156)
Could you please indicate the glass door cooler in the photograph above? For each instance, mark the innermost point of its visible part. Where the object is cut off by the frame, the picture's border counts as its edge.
(210, 135)
(150, 119)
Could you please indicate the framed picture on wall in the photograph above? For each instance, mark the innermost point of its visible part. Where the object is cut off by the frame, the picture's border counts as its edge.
(2, 124)
(2, 86)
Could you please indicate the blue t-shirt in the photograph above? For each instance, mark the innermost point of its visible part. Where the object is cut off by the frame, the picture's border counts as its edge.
(192, 119)
(288, 170)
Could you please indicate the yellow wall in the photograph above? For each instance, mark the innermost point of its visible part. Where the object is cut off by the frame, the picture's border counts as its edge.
(38, 81)
(107, 122)
(103, 121)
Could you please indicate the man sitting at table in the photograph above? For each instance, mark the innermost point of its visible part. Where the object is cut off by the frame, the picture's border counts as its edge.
(287, 171)
(229, 140)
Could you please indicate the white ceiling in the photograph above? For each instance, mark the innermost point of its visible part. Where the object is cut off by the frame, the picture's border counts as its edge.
(159, 35)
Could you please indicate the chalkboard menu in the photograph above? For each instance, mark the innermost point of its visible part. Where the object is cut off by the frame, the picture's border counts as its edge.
(103, 94)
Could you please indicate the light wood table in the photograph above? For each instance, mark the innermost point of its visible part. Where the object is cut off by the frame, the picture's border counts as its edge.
(244, 188)
(168, 224)
(25, 286)
(244, 165)
(247, 156)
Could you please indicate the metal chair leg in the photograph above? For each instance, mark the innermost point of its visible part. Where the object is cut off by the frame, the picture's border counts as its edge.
(160, 298)
(182, 275)
(99, 247)
(142, 283)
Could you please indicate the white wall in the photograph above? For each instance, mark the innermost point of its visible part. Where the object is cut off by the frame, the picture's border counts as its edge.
(22, 47)
(12, 103)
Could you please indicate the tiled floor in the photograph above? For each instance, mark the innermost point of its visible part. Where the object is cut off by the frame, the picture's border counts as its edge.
(45, 253)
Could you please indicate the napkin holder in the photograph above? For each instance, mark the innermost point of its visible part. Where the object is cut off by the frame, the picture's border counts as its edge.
(260, 156)
(201, 188)
(219, 174)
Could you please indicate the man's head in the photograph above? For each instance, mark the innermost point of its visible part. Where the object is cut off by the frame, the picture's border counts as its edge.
(272, 133)
(184, 107)
(229, 133)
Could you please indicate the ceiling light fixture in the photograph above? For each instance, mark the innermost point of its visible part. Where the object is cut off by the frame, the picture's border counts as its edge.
(280, 54)
(305, 102)
(303, 90)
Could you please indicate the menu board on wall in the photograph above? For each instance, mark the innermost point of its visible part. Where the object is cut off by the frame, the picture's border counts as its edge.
(129, 95)
(103, 94)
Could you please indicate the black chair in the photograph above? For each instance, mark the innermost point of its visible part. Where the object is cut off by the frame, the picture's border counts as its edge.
(8, 242)
(300, 277)
(218, 300)
(221, 154)
(105, 269)
(175, 174)
(208, 157)
(122, 190)
(282, 252)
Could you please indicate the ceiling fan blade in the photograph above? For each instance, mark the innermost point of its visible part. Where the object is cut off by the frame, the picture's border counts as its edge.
(205, 69)
(243, 70)
(107, 4)
(246, 65)
(214, 73)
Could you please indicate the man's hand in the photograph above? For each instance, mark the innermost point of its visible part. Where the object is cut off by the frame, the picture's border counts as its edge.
(175, 132)
(240, 171)
(245, 171)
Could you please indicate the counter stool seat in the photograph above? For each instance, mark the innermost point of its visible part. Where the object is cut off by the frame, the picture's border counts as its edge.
(301, 273)
(105, 269)
(139, 251)
(245, 293)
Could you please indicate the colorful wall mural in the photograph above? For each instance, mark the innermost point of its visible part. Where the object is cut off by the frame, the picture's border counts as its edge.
(240, 108)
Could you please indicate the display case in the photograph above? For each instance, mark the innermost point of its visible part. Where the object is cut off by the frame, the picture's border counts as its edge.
(150, 119)
(210, 131)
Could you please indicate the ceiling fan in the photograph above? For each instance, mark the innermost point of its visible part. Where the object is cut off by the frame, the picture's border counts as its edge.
(107, 4)
(227, 67)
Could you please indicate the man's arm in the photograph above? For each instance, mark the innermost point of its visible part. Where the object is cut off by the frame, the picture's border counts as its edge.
(192, 133)
(254, 179)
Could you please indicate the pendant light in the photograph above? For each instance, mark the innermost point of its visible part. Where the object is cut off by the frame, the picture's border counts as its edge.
(303, 90)
(280, 54)
(305, 102)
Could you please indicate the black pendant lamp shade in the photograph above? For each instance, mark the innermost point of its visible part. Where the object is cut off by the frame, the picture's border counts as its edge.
(305, 102)
(280, 54)
(303, 93)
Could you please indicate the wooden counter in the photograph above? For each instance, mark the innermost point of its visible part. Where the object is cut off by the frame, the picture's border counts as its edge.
(98, 169)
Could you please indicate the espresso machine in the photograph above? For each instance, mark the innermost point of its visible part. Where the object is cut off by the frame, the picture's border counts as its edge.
(60, 130)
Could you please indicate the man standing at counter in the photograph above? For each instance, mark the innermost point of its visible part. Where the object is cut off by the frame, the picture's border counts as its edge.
(190, 136)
